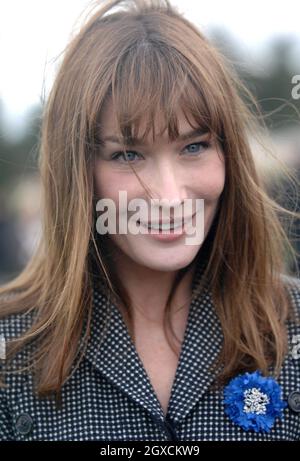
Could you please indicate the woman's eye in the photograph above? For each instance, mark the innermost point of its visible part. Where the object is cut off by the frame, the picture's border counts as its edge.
(127, 156)
(131, 156)
(198, 147)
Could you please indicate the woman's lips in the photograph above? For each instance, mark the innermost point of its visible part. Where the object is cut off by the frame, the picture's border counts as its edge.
(171, 224)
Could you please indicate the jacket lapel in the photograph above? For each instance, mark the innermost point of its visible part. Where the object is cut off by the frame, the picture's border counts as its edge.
(201, 345)
(116, 358)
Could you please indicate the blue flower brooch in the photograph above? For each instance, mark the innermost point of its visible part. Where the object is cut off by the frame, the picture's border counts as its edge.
(253, 401)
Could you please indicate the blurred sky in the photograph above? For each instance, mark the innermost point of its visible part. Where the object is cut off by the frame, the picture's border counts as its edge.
(34, 32)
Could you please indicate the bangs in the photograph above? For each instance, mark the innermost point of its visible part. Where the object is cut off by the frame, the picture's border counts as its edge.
(151, 83)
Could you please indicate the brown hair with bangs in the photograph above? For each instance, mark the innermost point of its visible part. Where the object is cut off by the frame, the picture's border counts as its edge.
(149, 59)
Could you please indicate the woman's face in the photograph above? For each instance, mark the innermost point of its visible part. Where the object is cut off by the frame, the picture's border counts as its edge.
(174, 171)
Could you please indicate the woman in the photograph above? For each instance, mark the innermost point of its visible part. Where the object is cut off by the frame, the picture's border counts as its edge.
(144, 335)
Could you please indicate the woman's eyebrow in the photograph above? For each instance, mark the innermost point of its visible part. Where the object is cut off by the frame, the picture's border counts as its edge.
(137, 141)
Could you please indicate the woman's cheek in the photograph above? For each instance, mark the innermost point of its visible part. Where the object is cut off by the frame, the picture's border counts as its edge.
(107, 181)
(211, 187)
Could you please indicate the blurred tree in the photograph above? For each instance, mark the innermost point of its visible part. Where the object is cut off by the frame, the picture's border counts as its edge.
(18, 160)
(273, 88)
(270, 85)
(19, 157)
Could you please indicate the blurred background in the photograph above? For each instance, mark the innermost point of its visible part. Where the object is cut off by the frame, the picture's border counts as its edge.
(261, 39)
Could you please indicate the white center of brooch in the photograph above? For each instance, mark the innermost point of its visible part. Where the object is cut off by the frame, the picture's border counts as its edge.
(255, 401)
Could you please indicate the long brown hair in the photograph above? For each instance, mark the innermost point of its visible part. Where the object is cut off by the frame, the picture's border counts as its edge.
(149, 59)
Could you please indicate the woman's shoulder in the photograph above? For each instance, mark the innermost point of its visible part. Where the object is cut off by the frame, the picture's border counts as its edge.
(291, 280)
(292, 284)
(12, 325)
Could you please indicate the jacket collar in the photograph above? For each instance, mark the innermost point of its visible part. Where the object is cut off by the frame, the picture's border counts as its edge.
(111, 351)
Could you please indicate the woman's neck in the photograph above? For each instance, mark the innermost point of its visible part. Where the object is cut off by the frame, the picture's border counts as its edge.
(149, 289)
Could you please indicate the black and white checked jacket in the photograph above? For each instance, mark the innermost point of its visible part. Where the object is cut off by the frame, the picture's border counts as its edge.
(110, 396)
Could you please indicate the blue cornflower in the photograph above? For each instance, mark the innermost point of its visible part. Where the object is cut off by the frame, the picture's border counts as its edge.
(253, 401)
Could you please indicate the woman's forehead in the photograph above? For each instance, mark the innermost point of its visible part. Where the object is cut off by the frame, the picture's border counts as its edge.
(110, 126)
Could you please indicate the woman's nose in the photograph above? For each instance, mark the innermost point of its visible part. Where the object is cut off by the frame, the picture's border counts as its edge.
(168, 184)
